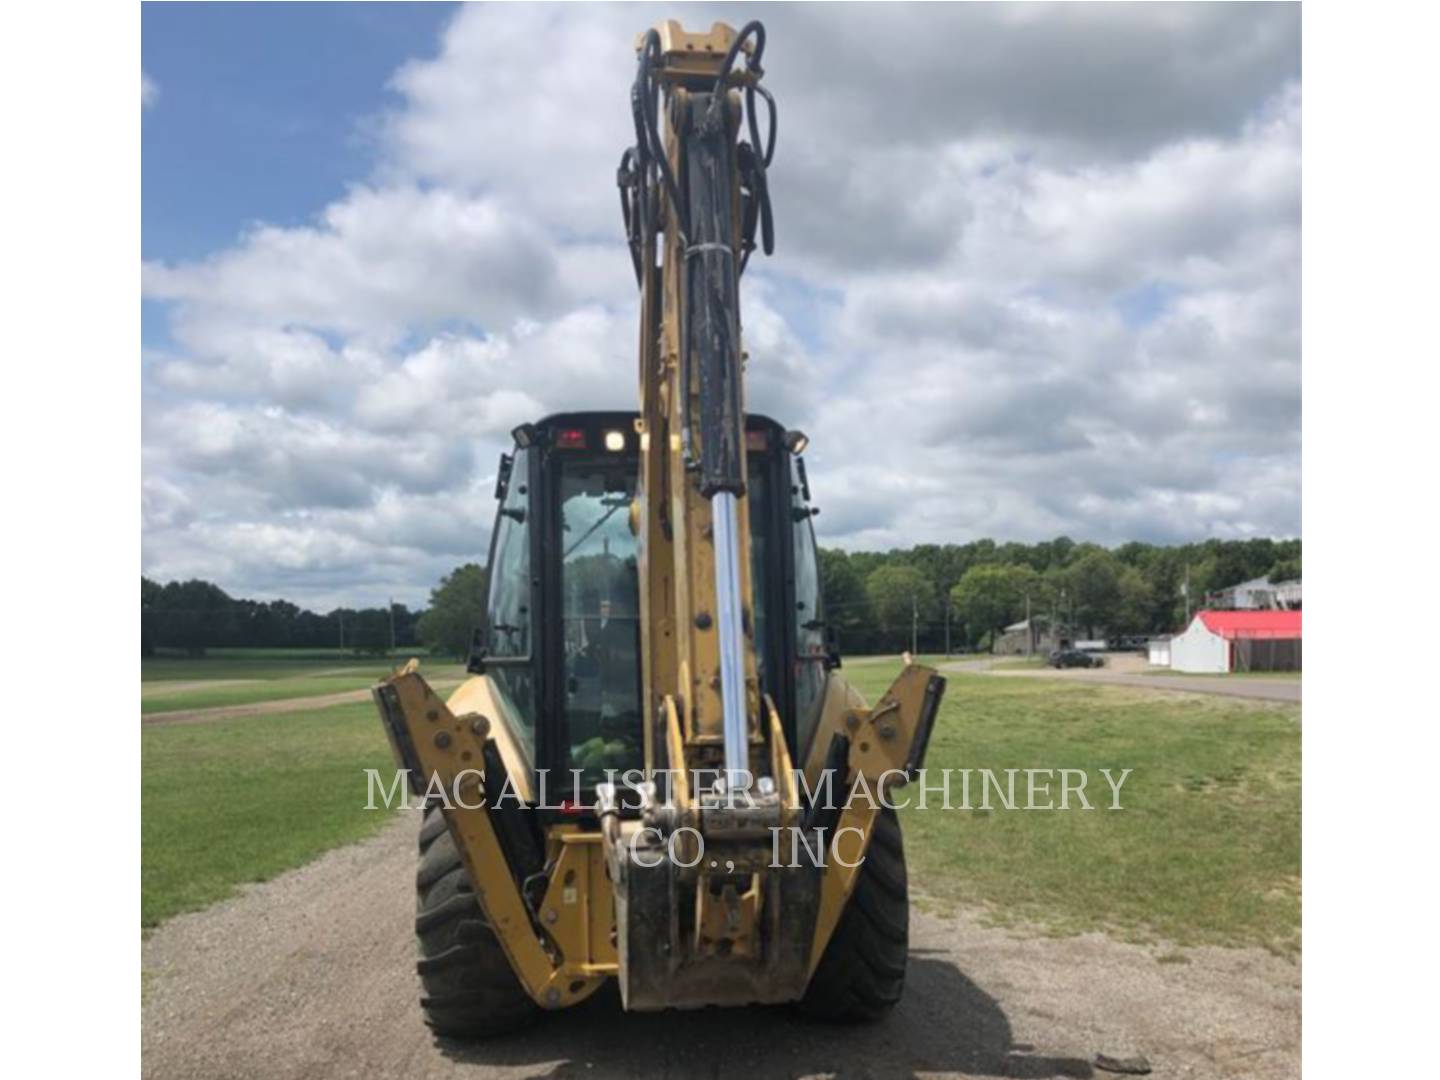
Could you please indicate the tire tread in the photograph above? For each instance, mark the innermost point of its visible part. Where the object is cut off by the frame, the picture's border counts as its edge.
(861, 977)
(468, 988)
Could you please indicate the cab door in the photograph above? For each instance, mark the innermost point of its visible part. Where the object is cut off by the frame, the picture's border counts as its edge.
(509, 641)
(810, 657)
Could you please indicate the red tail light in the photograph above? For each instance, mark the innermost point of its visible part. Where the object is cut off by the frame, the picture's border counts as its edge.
(570, 439)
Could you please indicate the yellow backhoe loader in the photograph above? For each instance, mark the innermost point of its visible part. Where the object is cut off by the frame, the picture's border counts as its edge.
(655, 773)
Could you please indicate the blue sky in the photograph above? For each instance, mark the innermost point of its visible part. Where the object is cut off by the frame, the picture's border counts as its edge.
(265, 114)
(376, 237)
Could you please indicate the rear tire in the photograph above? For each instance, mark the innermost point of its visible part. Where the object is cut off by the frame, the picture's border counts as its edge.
(861, 977)
(469, 989)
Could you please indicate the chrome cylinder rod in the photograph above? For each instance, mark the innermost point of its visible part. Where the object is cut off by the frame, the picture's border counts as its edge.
(726, 519)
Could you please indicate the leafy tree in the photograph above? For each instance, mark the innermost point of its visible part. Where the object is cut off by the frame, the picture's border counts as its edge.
(457, 607)
(150, 594)
(1232, 566)
(897, 594)
(1093, 583)
(1134, 607)
(368, 631)
(1286, 570)
(1205, 576)
(847, 608)
(991, 596)
(1163, 573)
(405, 620)
(192, 615)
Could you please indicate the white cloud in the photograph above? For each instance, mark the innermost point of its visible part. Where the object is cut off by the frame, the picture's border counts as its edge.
(1042, 276)
(377, 264)
(149, 91)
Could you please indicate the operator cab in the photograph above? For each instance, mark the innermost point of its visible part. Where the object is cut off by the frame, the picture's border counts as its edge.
(561, 639)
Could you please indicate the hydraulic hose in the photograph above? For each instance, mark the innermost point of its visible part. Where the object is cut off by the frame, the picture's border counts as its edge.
(643, 102)
(640, 206)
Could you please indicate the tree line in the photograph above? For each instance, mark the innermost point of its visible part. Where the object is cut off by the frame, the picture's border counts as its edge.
(961, 596)
(192, 616)
(956, 596)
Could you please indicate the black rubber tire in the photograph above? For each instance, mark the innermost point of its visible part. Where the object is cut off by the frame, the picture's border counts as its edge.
(861, 977)
(469, 989)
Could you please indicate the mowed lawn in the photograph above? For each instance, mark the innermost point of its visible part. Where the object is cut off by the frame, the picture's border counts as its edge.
(252, 664)
(241, 800)
(172, 685)
(252, 691)
(1206, 849)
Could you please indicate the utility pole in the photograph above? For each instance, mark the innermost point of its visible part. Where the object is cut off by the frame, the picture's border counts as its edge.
(391, 610)
(1029, 629)
(914, 624)
(1185, 591)
(947, 627)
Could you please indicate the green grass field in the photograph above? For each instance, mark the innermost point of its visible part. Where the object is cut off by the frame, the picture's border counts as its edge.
(170, 685)
(242, 800)
(890, 661)
(252, 691)
(1207, 849)
(161, 669)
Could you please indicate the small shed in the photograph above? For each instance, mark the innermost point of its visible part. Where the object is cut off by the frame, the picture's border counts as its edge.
(1157, 649)
(1225, 641)
(1025, 638)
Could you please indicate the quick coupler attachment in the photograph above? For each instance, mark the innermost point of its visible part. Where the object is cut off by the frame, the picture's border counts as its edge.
(704, 917)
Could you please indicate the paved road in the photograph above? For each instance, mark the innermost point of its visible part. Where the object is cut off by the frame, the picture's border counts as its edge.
(1225, 686)
(312, 976)
(1258, 689)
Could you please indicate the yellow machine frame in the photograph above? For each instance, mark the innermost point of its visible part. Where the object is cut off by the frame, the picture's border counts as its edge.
(592, 920)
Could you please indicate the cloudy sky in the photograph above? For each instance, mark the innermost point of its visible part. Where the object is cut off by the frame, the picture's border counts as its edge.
(1037, 271)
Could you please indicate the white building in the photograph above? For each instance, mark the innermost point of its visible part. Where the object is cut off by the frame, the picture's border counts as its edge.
(1257, 594)
(1222, 641)
(1287, 595)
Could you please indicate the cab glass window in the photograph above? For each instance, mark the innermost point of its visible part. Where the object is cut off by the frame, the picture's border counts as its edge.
(757, 500)
(509, 631)
(600, 618)
(810, 666)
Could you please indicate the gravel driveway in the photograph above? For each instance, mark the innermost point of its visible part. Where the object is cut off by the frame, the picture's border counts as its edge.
(312, 975)
(1125, 671)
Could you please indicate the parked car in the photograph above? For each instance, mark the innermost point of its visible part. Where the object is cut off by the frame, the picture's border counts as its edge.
(1063, 658)
(1128, 643)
